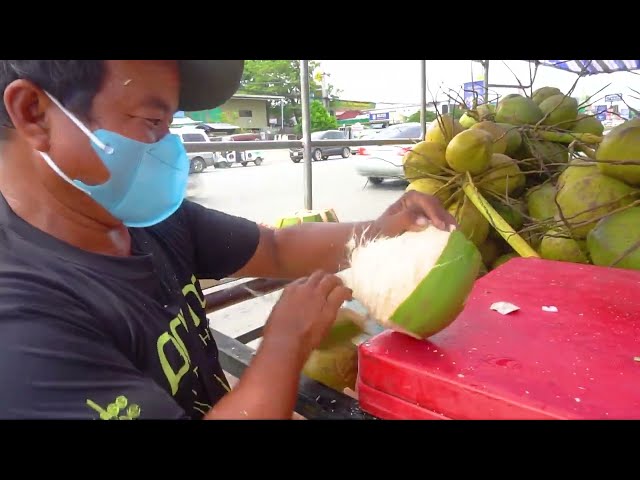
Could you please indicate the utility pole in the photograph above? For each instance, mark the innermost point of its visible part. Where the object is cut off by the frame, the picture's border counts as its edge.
(325, 92)
(306, 133)
(325, 100)
(321, 77)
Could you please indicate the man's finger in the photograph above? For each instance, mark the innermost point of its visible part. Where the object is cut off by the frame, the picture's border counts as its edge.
(434, 212)
(449, 218)
(336, 298)
(299, 281)
(328, 284)
(431, 208)
(419, 222)
(315, 277)
(400, 222)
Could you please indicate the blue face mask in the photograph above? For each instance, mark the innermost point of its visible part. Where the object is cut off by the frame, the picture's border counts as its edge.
(148, 180)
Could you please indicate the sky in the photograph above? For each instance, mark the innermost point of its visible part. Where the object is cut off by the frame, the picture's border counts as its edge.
(398, 81)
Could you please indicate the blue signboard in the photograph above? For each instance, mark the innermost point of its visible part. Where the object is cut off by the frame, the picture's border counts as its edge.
(379, 116)
(470, 88)
(616, 97)
(601, 112)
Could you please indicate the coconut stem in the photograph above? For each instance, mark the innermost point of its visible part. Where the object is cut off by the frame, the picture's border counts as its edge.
(493, 217)
(567, 137)
(589, 152)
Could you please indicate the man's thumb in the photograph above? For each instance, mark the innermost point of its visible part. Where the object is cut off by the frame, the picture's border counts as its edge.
(406, 220)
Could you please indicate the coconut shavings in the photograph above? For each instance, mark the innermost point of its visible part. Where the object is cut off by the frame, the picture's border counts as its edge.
(551, 309)
(504, 308)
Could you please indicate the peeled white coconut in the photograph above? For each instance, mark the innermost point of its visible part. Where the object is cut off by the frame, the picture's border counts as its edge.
(416, 283)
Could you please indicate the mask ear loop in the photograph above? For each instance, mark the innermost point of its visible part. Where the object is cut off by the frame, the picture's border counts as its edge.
(63, 175)
(106, 148)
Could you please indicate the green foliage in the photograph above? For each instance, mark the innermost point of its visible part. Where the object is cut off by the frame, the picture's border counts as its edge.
(320, 119)
(282, 78)
(430, 117)
(457, 113)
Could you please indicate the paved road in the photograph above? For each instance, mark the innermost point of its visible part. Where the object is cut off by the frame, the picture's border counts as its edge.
(276, 188)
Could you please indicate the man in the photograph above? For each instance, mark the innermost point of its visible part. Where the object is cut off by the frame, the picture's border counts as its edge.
(101, 313)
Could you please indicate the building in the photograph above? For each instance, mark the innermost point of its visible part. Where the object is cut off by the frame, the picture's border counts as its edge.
(350, 112)
(611, 110)
(247, 112)
(384, 115)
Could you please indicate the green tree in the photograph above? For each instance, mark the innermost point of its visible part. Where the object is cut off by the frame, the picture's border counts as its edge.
(431, 116)
(282, 78)
(320, 119)
(415, 117)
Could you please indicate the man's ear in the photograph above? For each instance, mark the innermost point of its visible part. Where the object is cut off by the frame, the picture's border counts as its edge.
(27, 107)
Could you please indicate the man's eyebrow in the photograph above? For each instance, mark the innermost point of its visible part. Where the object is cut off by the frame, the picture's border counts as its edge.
(156, 102)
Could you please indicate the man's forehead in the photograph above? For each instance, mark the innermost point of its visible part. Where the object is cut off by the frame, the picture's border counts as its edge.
(201, 84)
(151, 83)
(141, 67)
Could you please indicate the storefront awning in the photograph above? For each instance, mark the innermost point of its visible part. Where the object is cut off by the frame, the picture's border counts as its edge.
(593, 67)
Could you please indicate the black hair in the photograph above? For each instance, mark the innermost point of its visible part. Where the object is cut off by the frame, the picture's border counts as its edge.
(74, 83)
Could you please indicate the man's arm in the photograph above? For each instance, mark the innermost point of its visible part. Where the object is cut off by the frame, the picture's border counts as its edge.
(268, 389)
(233, 246)
(226, 245)
(297, 251)
(298, 322)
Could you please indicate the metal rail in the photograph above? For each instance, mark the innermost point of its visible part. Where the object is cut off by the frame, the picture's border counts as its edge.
(283, 144)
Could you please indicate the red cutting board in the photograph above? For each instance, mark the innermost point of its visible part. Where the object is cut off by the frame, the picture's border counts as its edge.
(577, 363)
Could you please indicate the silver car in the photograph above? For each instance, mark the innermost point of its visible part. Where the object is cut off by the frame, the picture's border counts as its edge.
(379, 162)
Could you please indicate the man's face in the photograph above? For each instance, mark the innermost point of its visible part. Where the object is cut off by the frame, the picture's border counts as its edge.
(137, 100)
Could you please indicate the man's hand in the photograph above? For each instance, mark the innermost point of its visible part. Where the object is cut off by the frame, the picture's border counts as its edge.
(413, 212)
(305, 312)
(298, 251)
(299, 321)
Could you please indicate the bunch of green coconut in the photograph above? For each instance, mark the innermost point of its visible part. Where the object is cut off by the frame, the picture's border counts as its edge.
(590, 212)
(532, 176)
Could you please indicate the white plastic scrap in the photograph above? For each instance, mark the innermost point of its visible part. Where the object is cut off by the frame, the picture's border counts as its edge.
(550, 309)
(504, 308)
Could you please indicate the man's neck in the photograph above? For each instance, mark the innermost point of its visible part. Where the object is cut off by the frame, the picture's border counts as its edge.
(40, 208)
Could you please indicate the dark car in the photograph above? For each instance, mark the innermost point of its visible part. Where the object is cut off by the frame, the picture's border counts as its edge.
(322, 153)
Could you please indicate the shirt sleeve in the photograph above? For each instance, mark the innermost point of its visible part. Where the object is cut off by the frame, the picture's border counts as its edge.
(60, 367)
(223, 243)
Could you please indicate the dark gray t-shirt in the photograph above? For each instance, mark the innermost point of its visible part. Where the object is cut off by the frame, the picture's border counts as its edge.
(88, 336)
